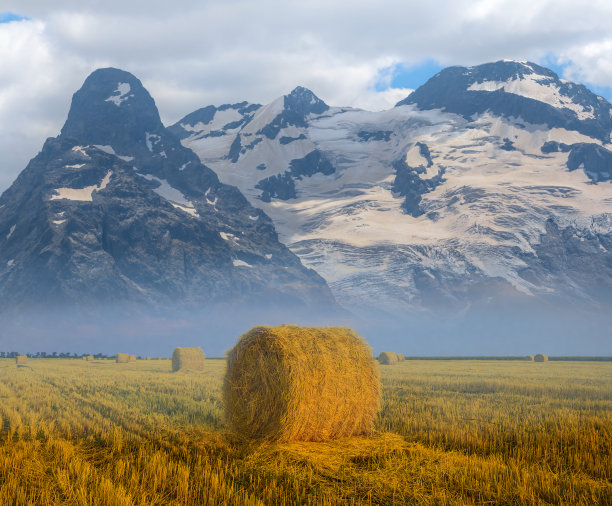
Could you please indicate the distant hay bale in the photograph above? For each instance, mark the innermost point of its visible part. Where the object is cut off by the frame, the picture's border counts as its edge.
(158, 358)
(388, 358)
(529, 358)
(291, 383)
(188, 359)
(88, 358)
(123, 358)
(148, 358)
(540, 357)
(132, 358)
(400, 357)
(21, 359)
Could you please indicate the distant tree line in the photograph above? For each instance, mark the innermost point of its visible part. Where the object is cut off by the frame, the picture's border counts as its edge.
(55, 354)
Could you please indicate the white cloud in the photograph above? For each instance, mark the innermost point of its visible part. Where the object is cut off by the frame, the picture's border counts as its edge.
(197, 53)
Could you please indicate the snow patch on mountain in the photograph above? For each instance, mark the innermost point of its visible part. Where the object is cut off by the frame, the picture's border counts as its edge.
(538, 88)
(172, 195)
(121, 94)
(81, 194)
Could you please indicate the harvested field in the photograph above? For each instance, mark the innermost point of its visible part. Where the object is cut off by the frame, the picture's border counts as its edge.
(448, 432)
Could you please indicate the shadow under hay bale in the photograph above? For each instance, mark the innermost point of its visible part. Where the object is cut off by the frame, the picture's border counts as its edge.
(540, 357)
(122, 358)
(188, 359)
(21, 359)
(291, 383)
(388, 358)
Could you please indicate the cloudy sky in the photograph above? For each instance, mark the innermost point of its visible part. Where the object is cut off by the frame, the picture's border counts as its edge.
(193, 53)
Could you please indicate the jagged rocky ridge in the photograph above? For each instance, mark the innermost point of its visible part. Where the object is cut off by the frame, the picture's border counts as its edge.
(115, 211)
(488, 185)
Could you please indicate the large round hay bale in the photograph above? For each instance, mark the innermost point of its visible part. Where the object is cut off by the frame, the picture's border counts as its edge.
(400, 357)
(123, 358)
(529, 358)
(21, 359)
(188, 359)
(388, 358)
(132, 358)
(291, 383)
(540, 357)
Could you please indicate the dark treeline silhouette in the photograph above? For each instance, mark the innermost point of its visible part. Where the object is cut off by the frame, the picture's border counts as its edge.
(55, 354)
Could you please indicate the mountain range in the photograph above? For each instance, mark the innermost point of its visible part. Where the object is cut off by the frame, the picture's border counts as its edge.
(485, 192)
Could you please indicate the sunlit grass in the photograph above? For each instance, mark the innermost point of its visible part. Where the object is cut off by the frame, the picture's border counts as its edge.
(464, 432)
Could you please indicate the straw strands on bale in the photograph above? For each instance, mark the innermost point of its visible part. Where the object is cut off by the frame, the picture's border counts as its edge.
(21, 359)
(123, 358)
(188, 359)
(388, 358)
(540, 357)
(290, 383)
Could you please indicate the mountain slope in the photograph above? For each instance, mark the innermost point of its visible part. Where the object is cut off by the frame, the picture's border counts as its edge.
(487, 186)
(116, 211)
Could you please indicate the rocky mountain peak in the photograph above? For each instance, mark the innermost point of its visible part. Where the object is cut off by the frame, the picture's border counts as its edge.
(523, 91)
(302, 101)
(113, 108)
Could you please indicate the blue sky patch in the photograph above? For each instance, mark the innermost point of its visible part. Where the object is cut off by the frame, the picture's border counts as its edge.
(7, 17)
(407, 76)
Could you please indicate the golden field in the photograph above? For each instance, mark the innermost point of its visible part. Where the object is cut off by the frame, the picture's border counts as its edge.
(448, 432)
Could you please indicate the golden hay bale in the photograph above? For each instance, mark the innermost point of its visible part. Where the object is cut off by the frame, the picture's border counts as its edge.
(388, 358)
(529, 358)
(21, 359)
(123, 358)
(132, 358)
(540, 357)
(89, 358)
(148, 358)
(188, 358)
(291, 383)
(400, 357)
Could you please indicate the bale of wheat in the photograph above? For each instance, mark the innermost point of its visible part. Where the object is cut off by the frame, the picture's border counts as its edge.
(148, 358)
(540, 357)
(21, 359)
(388, 358)
(291, 383)
(123, 358)
(132, 358)
(400, 357)
(529, 358)
(187, 359)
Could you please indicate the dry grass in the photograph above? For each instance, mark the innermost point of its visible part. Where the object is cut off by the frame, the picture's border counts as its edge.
(448, 433)
(290, 383)
(191, 359)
